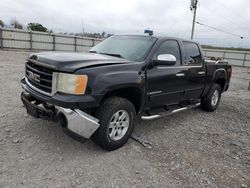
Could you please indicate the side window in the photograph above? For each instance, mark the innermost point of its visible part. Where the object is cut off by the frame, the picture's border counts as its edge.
(193, 55)
(170, 47)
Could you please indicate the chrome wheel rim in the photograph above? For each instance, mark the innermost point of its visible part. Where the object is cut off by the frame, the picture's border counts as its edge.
(215, 98)
(118, 125)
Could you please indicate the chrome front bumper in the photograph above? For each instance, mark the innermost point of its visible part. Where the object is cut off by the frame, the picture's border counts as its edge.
(75, 120)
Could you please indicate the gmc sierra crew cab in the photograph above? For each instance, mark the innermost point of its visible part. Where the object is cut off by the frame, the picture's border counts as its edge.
(98, 94)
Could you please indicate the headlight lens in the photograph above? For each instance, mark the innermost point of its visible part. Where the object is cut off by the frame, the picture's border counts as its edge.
(72, 83)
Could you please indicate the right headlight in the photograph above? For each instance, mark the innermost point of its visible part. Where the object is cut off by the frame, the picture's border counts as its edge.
(71, 83)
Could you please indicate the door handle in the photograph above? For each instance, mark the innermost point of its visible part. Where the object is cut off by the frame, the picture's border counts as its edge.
(201, 72)
(180, 74)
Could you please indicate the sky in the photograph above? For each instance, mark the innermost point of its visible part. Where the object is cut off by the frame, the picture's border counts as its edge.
(164, 17)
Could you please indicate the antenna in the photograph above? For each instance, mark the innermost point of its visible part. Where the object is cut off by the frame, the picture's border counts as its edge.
(82, 27)
(82, 34)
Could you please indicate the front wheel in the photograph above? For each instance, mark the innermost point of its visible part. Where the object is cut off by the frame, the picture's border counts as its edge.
(211, 101)
(116, 117)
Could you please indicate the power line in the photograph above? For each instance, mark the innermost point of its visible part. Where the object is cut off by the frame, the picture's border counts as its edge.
(221, 16)
(214, 28)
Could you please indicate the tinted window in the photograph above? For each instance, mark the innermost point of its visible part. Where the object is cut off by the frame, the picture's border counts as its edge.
(193, 55)
(170, 47)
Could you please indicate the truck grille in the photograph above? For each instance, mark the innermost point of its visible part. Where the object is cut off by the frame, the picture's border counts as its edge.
(40, 77)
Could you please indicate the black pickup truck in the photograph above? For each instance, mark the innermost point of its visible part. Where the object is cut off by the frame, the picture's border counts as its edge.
(98, 94)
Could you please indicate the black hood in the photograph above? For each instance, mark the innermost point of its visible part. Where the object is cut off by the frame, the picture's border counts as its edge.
(71, 61)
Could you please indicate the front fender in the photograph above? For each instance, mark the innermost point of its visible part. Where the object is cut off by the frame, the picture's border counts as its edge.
(116, 80)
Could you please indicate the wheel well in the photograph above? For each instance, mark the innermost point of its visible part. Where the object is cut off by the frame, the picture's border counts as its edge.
(132, 94)
(221, 82)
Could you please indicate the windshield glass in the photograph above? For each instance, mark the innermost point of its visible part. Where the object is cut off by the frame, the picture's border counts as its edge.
(133, 48)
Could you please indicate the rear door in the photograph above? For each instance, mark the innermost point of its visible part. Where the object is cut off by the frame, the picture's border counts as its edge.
(194, 70)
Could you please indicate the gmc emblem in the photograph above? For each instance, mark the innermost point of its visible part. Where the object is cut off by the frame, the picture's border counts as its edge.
(33, 76)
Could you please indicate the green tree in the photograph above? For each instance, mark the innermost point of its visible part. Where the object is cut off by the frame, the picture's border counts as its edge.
(37, 27)
(109, 35)
(16, 24)
(103, 34)
(1, 23)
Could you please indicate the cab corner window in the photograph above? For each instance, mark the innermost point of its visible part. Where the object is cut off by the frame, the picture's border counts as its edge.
(192, 52)
(170, 47)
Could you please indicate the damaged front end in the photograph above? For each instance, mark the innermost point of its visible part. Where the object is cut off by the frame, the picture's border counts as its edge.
(75, 120)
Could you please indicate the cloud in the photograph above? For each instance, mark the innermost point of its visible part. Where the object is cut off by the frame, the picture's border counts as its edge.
(165, 17)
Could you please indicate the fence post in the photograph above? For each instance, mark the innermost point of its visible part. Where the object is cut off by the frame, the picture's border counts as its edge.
(205, 53)
(54, 42)
(244, 60)
(93, 42)
(75, 43)
(224, 54)
(30, 40)
(1, 38)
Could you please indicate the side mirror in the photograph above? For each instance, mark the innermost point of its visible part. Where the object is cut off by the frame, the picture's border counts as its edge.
(165, 59)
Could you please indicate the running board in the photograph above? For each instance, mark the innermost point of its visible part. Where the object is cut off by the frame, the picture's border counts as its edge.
(169, 112)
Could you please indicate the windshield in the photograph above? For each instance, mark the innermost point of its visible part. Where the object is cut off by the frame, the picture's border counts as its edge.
(133, 48)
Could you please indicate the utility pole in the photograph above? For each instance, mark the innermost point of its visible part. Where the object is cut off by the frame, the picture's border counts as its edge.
(193, 7)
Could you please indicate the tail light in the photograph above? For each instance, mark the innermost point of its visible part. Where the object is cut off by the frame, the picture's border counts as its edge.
(229, 72)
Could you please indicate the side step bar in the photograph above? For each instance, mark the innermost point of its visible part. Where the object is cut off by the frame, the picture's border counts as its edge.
(156, 116)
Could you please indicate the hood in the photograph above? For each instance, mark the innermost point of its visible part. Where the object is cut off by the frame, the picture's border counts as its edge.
(71, 61)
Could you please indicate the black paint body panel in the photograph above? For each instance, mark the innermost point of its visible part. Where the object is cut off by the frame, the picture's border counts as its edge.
(158, 85)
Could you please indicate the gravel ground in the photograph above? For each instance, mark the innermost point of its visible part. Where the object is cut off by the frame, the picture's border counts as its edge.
(190, 149)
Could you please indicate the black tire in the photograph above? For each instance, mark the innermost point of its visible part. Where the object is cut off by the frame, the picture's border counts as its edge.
(104, 113)
(206, 102)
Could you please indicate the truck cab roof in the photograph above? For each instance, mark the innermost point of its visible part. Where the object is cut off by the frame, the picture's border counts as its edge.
(159, 37)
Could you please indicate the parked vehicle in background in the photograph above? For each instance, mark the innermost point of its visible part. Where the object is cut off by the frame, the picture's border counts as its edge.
(99, 94)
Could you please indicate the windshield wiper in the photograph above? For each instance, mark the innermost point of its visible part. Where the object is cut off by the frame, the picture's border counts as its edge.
(92, 51)
(115, 55)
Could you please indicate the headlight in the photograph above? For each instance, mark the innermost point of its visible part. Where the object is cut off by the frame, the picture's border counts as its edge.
(72, 83)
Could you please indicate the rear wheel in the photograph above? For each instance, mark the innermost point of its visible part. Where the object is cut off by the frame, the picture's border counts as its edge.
(211, 101)
(116, 117)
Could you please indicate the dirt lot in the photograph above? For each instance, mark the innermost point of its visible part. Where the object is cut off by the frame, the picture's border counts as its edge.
(190, 149)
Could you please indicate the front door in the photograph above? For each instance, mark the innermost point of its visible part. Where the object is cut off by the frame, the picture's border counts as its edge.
(165, 84)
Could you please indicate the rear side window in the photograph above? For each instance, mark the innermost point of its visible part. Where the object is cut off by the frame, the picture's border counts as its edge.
(193, 55)
(170, 47)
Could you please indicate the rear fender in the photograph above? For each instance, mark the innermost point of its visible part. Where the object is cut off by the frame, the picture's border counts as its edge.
(219, 74)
